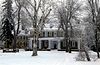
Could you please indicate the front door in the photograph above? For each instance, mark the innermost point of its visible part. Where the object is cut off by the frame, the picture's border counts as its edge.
(54, 44)
(63, 45)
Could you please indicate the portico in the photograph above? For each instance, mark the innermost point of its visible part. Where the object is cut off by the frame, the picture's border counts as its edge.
(53, 43)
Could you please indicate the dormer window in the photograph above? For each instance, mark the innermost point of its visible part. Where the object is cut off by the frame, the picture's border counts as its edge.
(48, 34)
(52, 34)
(51, 25)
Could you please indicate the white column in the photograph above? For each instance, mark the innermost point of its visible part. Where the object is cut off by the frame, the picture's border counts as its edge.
(78, 43)
(30, 43)
(39, 44)
(46, 34)
(49, 47)
(59, 45)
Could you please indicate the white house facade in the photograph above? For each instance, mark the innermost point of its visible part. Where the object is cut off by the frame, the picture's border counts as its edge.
(51, 38)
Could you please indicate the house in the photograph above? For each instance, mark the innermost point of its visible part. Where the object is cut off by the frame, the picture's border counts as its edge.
(51, 38)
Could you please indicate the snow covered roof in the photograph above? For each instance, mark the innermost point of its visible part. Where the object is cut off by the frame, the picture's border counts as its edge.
(51, 27)
(51, 38)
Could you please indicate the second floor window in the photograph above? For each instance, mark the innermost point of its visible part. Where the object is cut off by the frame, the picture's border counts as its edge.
(52, 34)
(43, 34)
(49, 34)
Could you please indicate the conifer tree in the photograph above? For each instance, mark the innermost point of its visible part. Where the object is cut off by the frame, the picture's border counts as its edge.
(7, 23)
(7, 35)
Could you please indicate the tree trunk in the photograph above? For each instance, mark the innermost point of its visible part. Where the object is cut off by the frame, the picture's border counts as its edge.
(35, 37)
(14, 41)
(19, 11)
(87, 55)
(34, 50)
(66, 40)
(66, 45)
(34, 46)
(35, 32)
(70, 36)
(96, 38)
(69, 46)
(83, 49)
(16, 33)
(96, 42)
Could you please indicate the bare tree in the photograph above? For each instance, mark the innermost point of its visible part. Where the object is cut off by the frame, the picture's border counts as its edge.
(93, 10)
(37, 19)
(20, 12)
(86, 37)
(19, 5)
(66, 14)
(17, 16)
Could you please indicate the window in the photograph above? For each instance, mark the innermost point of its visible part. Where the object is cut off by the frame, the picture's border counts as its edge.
(49, 34)
(43, 34)
(61, 34)
(52, 34)
(73, 44)
(58, 33)
(39, 35)
(21, 37)
(55, 34)
(31, 32)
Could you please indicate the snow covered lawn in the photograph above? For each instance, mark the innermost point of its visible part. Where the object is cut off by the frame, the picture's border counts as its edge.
(43, 58)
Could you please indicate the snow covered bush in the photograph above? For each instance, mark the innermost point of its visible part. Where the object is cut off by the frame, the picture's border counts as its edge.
(93, 55)
(82, 56)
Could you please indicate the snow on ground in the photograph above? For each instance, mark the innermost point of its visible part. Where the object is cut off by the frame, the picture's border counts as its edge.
(43, 58)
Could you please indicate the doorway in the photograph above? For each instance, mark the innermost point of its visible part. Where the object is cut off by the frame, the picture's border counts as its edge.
(54, 45)
(44, 44)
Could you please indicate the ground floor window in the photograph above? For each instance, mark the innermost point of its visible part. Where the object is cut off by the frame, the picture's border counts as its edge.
(63, 45)
(74, 45)
(44, 44)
